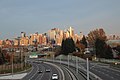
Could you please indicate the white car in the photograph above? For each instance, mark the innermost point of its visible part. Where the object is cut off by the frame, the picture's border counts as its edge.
(47, 70)
(54, 77)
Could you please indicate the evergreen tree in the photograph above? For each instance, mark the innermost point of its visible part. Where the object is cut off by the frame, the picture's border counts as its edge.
(84, 42)
(99, 45)
(102, 49)
(68, 46)
(2, 58)
(108, 52)
(63, 46)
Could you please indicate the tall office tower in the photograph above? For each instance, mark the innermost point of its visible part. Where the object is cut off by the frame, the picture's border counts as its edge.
(34, 38)
(23, 34)
(52, 35)
(71, 32)
(42, 39)
(59, 37)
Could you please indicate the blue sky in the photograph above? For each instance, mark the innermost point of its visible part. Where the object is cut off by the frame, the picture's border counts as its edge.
(40, 16)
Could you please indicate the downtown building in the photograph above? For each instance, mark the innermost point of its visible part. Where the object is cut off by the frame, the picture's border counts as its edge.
(37, 39)
(55, 36)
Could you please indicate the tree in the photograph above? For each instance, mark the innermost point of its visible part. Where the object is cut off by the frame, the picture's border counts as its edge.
(68, 46)
(84, 42)
(80, 47)
(102, 49)
(99, 45)
(2, 58)
(108, 52)
(93, 35)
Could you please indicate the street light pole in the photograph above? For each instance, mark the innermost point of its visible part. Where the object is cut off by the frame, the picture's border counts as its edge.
(60, 59)
(68, 61)
(12, 64)
(76, 65)
(25, 60)
(87, 69)
(21, 51)
(53, 57)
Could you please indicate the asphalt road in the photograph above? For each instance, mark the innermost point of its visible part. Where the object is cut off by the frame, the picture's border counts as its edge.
(103, 71)
(34, 75)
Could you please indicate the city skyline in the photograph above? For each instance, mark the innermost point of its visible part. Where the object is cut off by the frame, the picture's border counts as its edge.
(40, 16)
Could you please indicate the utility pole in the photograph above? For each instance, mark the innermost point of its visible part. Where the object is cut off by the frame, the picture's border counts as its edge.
(12, 64)
(87, 69)
(21, 57)
(60, 59)
(76, 65)
(25, 60)
(68, 61)
(53, 57)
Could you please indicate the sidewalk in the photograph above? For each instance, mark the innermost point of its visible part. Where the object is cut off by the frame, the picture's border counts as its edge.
(15, 76)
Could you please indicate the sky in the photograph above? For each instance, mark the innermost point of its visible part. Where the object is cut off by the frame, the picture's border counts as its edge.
(32, 16)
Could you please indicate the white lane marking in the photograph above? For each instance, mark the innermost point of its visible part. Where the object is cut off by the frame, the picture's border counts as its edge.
(34, 74)
(43, 72)
(104, 74)
(50, 72)
(39, 74)
(70, 73)
(31, 70)
(109, 71)
(58, 68)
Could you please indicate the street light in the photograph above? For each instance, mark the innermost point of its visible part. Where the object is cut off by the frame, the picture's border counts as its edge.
(76, 65)
(87, 69)
(12, 64)
(68, 61)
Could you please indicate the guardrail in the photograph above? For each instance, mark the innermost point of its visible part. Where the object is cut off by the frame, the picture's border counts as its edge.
(108, 60)
(82, 70)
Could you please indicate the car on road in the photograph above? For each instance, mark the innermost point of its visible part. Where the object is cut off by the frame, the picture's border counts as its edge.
(47, 70)
(54, 77)
(39, 71)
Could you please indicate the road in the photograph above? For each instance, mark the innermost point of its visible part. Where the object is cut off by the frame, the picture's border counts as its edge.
(104, 71)
(34, 75)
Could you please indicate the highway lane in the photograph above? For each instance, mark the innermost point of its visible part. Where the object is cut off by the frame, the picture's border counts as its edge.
(32, 72)
(34, 75)
(40, 75)
(69, 75)
(37, 75)
(103, 71)
(47, 75)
